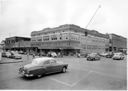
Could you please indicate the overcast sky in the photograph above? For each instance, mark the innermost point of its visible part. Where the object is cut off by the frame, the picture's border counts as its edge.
(21, 17)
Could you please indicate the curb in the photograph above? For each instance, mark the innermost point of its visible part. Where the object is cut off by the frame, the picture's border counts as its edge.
(10, 62)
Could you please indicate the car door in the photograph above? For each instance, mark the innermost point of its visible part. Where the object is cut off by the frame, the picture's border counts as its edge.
(48, 67)
(57, 67)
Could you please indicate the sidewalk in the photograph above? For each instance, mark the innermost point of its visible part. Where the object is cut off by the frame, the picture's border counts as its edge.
(9, 60)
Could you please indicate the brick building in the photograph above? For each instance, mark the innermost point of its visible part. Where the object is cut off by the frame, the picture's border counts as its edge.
(69, 38)
(117, 43)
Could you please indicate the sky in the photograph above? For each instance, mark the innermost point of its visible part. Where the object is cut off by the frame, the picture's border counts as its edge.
(21, 17)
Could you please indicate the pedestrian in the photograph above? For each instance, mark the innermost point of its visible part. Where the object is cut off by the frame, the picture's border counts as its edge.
(27, 55)
(33, 55)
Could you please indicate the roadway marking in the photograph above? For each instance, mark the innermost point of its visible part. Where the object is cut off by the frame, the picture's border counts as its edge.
(71, 85)
(61, 82)
(81, 79)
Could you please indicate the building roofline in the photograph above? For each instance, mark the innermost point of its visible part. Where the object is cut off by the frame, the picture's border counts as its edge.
(70, 26)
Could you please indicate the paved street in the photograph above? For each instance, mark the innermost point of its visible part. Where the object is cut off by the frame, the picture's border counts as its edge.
(106, 74)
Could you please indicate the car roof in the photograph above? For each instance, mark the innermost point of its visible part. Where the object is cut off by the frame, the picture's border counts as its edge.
(43, 58)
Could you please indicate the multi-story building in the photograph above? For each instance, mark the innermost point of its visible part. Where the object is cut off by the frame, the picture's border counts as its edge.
(17, 43)
(69, 38)
(117, 43)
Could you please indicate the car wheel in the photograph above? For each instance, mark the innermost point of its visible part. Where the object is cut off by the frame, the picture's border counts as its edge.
(64, 69)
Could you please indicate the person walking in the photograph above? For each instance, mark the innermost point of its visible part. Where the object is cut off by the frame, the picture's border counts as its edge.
(33, 55)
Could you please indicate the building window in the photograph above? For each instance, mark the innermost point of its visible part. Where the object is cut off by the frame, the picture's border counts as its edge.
(53, 37)
(39, 39)
(45, 38)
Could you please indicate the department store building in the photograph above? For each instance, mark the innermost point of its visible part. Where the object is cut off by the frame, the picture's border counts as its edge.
(69, 38)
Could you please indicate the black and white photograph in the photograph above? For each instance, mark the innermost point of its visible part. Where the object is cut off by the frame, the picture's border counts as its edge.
(63, 44)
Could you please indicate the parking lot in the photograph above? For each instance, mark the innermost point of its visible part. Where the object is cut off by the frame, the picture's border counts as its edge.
(106, 74)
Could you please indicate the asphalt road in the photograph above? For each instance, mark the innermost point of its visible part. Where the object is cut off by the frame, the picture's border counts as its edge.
(106, 74)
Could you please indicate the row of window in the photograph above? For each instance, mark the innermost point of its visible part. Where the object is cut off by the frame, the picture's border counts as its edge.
(65, 36)
(94, 47)
(51, 44)
(94, 40)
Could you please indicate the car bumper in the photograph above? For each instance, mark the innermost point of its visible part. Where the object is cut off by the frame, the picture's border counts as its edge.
(25, 74)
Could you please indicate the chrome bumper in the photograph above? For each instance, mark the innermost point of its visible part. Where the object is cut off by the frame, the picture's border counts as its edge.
(25, 74)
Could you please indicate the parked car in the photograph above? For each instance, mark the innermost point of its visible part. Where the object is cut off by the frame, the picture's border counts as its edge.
(21, 52)
(52, 54)
(41, 66)
(15, 55)
(3, 54)
(109, 55)
(93, 56)
(103, 54)
(8, 54)
(118, 56)
(84, 55)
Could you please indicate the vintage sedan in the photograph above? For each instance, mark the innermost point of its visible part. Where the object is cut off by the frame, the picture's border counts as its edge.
(41, 66)
(118, 56)
(93, 56)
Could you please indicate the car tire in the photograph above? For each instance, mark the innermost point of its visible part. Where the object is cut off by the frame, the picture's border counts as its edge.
(64, 69)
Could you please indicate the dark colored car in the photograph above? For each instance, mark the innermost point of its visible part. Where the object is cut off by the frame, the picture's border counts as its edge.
(93, 56)
(6, 54)
(41, 66)
(3, 54)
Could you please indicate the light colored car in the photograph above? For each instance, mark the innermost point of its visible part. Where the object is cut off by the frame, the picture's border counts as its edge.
(53, 54)
(103, 54)
(118, 56)
(8, 54)
(16, 56)
(41, 66)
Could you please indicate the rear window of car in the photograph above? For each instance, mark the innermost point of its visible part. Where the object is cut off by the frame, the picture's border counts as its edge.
(52, 61)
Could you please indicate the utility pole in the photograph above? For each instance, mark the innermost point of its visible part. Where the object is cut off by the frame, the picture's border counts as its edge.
(93, 16)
